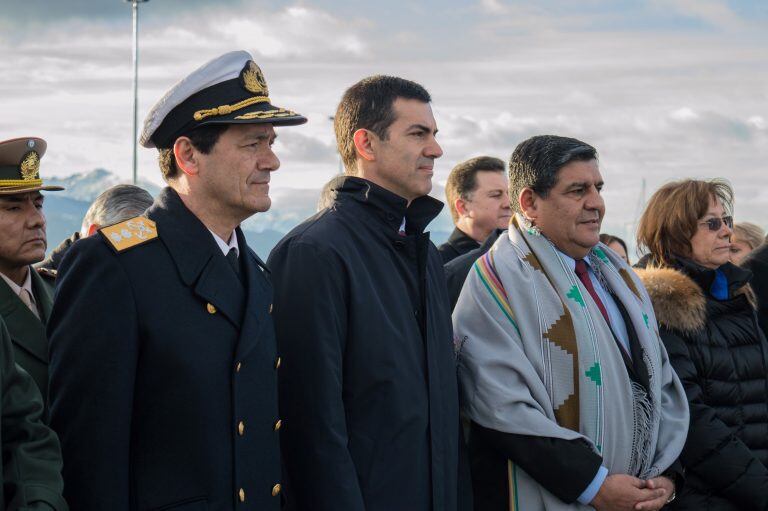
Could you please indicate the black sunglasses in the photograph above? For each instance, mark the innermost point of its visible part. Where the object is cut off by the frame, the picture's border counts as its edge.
(714, 224)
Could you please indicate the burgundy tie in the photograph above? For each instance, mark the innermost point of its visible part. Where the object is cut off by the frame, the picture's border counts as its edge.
(583, 274)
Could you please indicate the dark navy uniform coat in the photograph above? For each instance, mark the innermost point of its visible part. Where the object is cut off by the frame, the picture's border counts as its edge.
(163, 373)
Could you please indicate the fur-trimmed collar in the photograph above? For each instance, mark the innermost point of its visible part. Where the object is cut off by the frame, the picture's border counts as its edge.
(678, 301)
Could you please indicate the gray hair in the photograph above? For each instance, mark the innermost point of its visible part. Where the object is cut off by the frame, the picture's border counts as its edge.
(117, 204)
(328, 193)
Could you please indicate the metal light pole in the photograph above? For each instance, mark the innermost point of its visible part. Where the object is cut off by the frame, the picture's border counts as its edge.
(135, 9)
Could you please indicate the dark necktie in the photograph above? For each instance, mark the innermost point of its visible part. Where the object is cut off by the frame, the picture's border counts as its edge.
(232, 258)
(583, 274)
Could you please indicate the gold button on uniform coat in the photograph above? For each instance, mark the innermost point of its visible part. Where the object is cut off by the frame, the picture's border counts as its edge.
(276, 490)
(211, 309)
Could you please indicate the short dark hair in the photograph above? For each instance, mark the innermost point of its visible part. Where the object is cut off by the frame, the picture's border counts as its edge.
(202, 138)
(535, 163)
(462, 181)
(368, 105)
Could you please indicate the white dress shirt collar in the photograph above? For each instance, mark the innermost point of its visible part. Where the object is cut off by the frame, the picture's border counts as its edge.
(224, 246)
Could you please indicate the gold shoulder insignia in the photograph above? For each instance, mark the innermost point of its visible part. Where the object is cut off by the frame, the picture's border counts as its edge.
(128, 234)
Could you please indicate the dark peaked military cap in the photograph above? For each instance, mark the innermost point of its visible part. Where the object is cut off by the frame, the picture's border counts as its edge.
(20, 166)
(229, 89)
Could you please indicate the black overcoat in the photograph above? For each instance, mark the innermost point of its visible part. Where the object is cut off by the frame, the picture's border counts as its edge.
(721, 356)
(163, 373)
(368, 382)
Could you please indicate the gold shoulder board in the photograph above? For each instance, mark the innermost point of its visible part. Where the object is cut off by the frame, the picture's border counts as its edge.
(128, 234)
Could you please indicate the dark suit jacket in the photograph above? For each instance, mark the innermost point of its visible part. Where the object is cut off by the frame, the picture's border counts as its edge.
(163, 373)
(30, 343)
(458, 243)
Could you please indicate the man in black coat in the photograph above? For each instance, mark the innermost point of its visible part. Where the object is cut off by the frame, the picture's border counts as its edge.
(368, 386)
(478, 199)
(163, 354)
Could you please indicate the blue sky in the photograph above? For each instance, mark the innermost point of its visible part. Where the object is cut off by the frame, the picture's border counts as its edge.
(663, 88)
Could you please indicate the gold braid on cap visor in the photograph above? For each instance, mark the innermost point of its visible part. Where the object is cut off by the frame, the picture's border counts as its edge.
(228, 109)
(21, 182)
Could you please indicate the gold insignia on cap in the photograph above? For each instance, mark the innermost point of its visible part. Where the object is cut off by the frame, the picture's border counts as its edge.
(130, 233)
(253, 79)
(30, 166)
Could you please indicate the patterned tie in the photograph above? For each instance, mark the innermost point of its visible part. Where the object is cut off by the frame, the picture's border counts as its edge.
(583, 274)
(29, 302)
(232, 258)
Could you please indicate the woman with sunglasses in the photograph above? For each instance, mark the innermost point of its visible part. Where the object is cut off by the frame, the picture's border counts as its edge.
(706, 313)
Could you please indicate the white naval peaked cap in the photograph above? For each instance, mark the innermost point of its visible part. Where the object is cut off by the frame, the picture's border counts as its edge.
(229, 89)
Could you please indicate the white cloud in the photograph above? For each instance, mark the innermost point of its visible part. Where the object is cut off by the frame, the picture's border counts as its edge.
(657, 104)
(295, 32)
(493, 6)
(713, 12)
(683, 114)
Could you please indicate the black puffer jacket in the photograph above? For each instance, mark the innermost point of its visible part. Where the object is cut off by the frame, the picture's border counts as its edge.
(721, 356)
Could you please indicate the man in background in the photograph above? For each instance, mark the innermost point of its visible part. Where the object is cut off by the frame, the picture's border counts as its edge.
(112, 206)
(479, 203)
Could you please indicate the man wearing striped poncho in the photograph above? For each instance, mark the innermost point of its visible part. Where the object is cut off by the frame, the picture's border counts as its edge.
(570, 395)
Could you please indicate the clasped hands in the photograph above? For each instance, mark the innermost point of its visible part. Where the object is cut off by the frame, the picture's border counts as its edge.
(620, 492)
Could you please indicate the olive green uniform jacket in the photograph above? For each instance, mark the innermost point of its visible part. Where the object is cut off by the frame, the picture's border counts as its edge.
(30, 342)
(30, 476)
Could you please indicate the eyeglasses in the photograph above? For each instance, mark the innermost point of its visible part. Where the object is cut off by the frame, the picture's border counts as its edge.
(714, 224)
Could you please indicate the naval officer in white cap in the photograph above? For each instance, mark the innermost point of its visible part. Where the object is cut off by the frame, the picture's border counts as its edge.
(163, 356)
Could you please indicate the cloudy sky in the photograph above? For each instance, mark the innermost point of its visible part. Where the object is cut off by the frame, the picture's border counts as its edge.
(663, 88)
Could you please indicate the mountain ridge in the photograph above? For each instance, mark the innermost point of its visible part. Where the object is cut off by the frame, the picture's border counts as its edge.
(64, 210)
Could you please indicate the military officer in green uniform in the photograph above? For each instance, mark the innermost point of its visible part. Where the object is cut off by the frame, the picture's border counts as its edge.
(26, 297)
(163, 354)
(30, 475)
